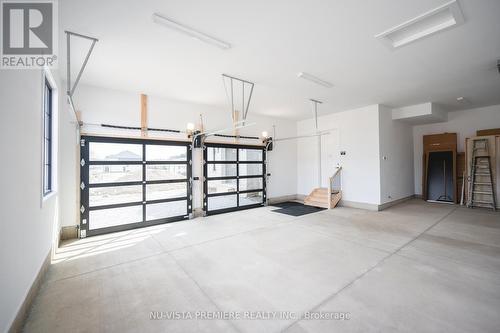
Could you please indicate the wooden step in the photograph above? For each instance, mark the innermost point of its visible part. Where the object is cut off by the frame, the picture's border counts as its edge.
(336, 198)
(319, 197)
(316, 204)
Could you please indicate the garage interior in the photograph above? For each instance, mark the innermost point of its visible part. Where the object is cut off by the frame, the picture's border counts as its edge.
(282, 166)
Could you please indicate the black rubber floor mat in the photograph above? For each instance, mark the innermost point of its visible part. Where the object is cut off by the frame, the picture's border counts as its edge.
(287, 204)
(296, 209)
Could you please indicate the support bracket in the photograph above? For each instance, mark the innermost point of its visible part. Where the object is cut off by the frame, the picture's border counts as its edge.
(70, 88)
(315, 112)
(245, 104)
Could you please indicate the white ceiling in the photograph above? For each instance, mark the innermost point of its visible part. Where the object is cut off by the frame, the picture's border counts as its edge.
(274, 40)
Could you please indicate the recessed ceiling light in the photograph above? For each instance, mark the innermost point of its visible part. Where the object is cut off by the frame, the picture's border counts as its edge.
(314, 79)
(435, 20)
(169, 23)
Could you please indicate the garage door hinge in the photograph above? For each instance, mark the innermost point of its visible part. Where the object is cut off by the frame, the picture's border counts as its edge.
(82, 142)
(83, 233)
(82, 162)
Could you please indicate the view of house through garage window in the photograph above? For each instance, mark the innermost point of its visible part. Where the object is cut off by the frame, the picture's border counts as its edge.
(234, 177)
(128, 183)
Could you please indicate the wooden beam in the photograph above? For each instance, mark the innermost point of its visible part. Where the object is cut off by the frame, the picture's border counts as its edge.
(144, 115)
(78, 115)
(487, 132)
(236, 118)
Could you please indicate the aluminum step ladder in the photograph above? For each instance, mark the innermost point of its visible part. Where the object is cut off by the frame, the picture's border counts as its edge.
(481, 181)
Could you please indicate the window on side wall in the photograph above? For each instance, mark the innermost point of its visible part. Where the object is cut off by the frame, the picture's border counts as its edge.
(47, 138)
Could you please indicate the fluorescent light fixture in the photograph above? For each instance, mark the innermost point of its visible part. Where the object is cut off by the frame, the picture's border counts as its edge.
(438, 19)
(314, 79)
(169, 23)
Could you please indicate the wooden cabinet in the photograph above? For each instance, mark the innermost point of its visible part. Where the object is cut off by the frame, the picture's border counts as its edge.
(439, 165)
(440, 142)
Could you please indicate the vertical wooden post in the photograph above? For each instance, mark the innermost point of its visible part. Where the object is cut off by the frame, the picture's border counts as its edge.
(144, 115)
(78, 115)
(236, 118)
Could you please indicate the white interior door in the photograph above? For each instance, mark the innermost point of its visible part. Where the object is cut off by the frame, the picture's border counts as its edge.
(330, 152)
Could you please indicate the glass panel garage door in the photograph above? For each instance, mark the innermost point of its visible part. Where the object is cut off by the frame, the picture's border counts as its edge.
(234, 177)
(131, 183)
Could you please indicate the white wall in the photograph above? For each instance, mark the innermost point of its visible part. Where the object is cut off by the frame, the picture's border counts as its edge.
(104, 106)
(367, 135)
(396, 158)
(69, 195)
(354, 131)
(27, 224)
(464, 123)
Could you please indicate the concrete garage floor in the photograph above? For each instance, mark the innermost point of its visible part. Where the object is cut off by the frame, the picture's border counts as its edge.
(415, 267)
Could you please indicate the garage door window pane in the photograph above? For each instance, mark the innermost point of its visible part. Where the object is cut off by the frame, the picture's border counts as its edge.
(101, 151)
(253, 198)
(114, 173)
(224, 201)
(221, 186)
(166, 171)
(221, 170)
(103, 218)
(250, 169)
(221, 154)
(250, 155)
(250, 184)
(166, 209)
(165, 191)
(100, 196)
(166, 153)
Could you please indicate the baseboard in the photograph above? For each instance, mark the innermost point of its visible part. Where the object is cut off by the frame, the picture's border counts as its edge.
(283, 198)
(395, 202)
(70, 232)
(344, 203)
(198, 212)
(359, 205)
(23, 312)
(300, 197)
